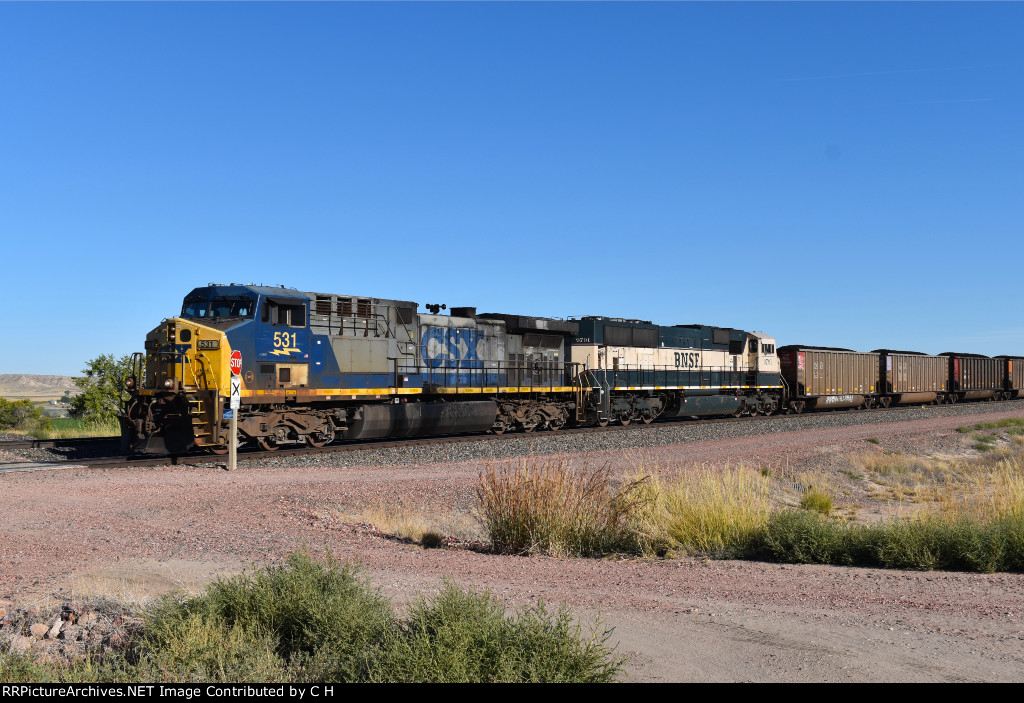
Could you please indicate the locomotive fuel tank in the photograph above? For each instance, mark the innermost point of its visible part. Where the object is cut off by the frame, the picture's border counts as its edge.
(421, 419)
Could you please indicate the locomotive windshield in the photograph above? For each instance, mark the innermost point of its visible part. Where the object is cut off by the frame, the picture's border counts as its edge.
(220, 307)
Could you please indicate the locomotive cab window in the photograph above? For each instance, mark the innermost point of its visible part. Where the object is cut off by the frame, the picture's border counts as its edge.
(201, 307)
(232, 307)
(281, 313)
(195, 306)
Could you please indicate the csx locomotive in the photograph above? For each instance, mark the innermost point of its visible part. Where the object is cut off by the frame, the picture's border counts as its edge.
(319, 367)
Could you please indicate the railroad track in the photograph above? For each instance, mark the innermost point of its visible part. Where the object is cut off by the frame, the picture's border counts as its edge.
(69, 443)
(255, 454)
(252, 453)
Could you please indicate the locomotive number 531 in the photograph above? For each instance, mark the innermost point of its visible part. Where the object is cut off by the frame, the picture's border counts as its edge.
(286, 341)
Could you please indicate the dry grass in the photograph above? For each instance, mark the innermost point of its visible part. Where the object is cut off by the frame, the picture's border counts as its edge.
(407, 523)
(994, 494)
(547, 507)
(707, 510)
(985, 486)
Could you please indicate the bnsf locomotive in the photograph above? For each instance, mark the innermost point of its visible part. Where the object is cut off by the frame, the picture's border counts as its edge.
(319, 367)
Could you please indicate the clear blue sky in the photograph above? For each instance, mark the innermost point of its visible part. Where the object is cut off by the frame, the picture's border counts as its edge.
(843, 174)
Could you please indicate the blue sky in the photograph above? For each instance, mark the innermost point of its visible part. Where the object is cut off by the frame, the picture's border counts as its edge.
(842, 174)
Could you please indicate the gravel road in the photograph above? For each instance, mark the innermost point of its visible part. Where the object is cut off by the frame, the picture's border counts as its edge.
(133, 533)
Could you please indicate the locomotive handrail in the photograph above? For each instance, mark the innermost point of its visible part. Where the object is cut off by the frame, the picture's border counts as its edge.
(213, 373)
(479, 375)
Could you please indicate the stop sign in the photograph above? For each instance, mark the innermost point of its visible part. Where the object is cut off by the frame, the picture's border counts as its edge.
(236, 362)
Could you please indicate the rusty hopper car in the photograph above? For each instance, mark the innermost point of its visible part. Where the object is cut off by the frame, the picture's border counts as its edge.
(821, 378)
(975, 377)
(1013, 373)
(912, 377)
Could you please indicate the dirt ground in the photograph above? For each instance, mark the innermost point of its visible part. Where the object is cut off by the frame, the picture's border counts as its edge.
(136, 533)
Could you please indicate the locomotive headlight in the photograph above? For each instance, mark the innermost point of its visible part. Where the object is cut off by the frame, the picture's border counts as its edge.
(129, 382)
(168, 383)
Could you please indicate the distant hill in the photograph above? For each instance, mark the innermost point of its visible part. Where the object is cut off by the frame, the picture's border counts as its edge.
(15, 386)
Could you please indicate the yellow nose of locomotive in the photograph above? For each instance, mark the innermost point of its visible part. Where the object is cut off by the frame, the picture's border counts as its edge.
(183, 355)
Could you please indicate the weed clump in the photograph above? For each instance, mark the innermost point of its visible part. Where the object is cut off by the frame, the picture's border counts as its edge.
(712, 512)
(817, 500)
(463, 636)
(548, 508)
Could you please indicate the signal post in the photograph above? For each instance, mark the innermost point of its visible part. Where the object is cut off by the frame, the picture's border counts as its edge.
(235, 404)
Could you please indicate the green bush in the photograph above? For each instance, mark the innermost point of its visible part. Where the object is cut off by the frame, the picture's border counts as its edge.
(323, 617)
(960, 544)
(21, 415)
(462, 636)
(803, 537)
(308, 621)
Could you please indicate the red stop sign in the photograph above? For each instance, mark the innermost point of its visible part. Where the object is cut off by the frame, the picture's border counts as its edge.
(236, 363)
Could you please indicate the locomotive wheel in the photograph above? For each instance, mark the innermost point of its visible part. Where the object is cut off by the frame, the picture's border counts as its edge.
(601, 422)
(218, 450)
(625, 420)
(320, 439)
(267, 444)
(498, 430)
(555, 424)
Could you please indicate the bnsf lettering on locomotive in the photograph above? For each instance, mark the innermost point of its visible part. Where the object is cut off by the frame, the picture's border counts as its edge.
(687, 360)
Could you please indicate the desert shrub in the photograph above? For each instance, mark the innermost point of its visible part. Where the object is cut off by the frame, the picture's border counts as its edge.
(925, 543)
(193, 643)
(464, 636)
(308, 621)
(804, 537)
(548, 508)
(324, 615)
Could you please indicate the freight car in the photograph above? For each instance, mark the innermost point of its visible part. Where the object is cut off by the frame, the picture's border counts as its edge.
(1013, 372)
(319, 367)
